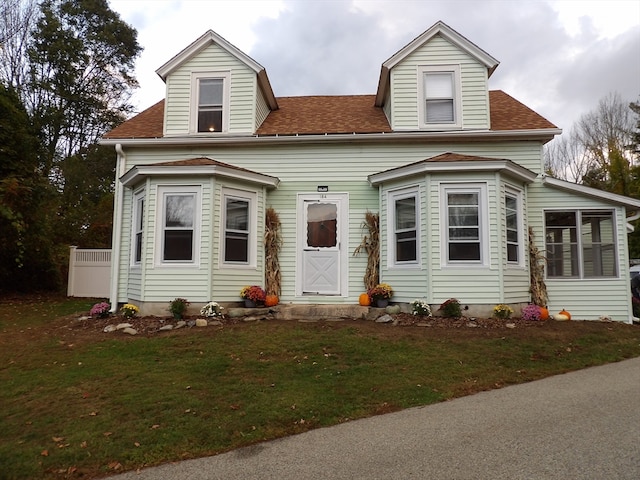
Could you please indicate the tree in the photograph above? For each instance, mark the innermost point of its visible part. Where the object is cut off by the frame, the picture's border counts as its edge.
(81, 61)
(26, 247)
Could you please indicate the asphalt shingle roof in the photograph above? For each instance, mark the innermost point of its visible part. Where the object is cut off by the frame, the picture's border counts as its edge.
(319, 115)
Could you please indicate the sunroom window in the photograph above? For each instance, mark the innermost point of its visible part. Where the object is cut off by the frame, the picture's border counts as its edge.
(178, 238)
(580, 244)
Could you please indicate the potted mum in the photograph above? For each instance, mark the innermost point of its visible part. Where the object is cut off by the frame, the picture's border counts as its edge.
(252, 295)
(380, 294)
(178, 307)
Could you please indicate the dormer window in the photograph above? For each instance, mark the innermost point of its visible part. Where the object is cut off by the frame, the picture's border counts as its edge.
(440, 105)
(209, 102)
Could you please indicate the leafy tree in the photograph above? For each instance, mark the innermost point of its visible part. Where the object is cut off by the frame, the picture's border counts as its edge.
(81, 61)
(26, 248)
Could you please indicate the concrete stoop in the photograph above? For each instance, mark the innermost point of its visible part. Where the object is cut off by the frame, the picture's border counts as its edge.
(310, 313)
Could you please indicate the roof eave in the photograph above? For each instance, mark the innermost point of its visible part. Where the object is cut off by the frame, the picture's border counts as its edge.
(628, 202)
(140, 172)
(543, 135)
(503, 166)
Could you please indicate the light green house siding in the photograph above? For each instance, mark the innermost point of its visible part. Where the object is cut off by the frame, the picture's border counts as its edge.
(242, 91)
(585, 298)
(345, 168)
(405, 85)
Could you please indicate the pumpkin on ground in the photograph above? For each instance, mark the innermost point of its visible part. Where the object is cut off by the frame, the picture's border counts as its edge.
(544, 313)
(565, 313)
(271, 301)
(364, 299)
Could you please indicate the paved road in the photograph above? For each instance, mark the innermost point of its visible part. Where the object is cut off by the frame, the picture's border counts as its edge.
(582, 425)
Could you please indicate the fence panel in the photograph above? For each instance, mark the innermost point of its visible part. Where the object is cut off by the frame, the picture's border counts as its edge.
(89, 272)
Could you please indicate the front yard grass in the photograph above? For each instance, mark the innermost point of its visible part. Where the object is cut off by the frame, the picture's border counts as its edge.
(84, 404)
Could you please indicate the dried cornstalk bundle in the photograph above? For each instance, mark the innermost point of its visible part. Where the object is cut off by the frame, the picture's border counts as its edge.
(536, 267)
(371, 246)
(272, 244)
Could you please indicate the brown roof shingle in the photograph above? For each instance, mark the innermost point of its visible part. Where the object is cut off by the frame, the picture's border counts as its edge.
(317, 115)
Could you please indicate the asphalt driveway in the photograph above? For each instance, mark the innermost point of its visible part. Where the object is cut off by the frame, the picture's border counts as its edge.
(581, 425)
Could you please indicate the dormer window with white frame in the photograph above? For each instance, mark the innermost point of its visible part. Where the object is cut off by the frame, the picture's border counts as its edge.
(209, 102)
(440, 97)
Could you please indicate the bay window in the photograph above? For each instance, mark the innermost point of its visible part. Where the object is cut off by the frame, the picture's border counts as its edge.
(404, 221)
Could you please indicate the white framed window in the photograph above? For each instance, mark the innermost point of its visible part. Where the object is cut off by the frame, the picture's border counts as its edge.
(581, 243)
(404, 226)
(465, 234)
(440, 97)
(137, 230)
(239, 227)
(178, 239)
(209, 102)
(513, 226)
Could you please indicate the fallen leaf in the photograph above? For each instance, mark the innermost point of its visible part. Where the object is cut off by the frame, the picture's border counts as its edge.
(115, 465)
(83, 444)
(44, 453)
(93, 414)
(57, 439)
(137, 444)
(153, 427)
(106, 434)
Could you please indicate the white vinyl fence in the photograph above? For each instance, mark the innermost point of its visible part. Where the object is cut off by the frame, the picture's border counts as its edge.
(89, 272)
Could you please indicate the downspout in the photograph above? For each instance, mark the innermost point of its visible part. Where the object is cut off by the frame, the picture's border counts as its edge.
(117, 228)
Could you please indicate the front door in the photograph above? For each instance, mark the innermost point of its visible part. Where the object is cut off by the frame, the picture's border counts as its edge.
(320, 240)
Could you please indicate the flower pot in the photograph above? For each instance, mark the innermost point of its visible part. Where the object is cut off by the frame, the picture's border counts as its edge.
(249, 303)
(382, 302)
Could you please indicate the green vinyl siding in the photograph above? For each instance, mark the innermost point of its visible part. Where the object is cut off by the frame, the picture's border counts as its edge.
(405, 85)
(242, 91)
(587, 299)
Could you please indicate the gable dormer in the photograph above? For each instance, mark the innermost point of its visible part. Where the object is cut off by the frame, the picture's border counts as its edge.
(212, 88)
(437, 82)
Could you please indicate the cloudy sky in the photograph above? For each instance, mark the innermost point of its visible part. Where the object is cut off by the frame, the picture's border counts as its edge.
(557, 57)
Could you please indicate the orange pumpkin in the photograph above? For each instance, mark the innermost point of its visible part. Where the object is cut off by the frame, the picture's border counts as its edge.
(564, 312)
(544, 313)
(271, 300)
(364, 300)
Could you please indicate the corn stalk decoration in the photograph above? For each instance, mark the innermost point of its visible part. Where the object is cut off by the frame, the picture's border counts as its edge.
(371, 246)
(272, 245)
(536, 268)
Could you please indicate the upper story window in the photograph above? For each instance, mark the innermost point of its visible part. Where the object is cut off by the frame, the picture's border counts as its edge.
(465, 234)
(580, 244)
(239, 227)
(404, 220)
(179, 224)
(209, 102)
(440, 98)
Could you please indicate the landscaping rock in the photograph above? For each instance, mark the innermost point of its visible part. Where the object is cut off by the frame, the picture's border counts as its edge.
(180, 324)
(165, 328)
(215, 323)
(384, 319)
(393, 309)
(122, 326)
(109, 328)
(130, 331)
(201, 322)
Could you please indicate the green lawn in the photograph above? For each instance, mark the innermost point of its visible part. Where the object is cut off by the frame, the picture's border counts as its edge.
(80, 403)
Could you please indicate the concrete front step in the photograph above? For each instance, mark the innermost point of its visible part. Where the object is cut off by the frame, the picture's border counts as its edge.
(315, 312)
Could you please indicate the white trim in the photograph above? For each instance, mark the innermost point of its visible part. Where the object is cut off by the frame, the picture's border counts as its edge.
(506, 167)
(225, 76)
(161, 192)
(252, 242)
(342, 200)
(483, 223)
(542, 134)
(139, 172)
(590, 192)
(518, 196)
(454, 70)
(393, 196)
(137, 218)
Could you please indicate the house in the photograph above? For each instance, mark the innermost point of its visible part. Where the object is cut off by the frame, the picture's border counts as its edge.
(455, 171)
